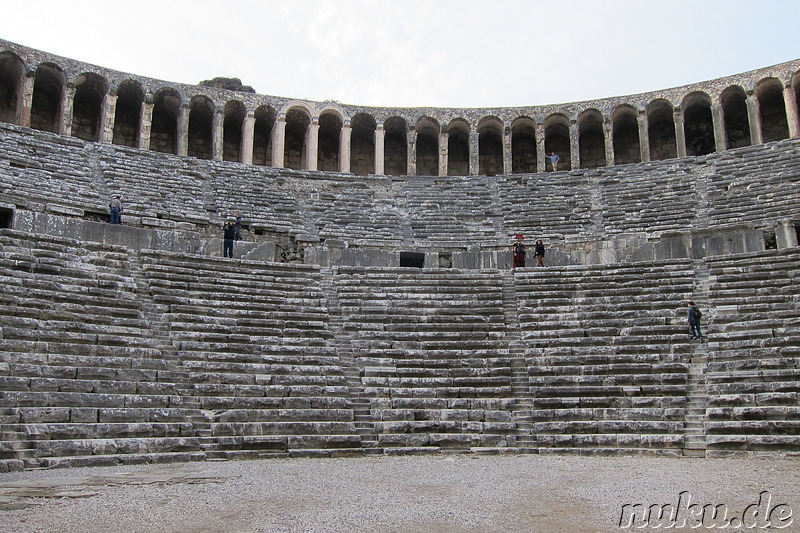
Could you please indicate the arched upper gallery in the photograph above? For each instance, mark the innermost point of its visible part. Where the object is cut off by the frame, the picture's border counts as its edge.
(67, 97)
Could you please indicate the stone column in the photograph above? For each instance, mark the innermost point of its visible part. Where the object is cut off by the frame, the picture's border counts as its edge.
(791, 110)
(25, 101)
(444, 138)
(644, 136)
(380, 150)
(248, 133)
(680, 135)
(182, 139)
(411, 146)
(574, 147)
(508, 163)
(474, 153)
(312, 144)
(608, 137)
(279, 142)
(108, 114)
(344, 148)
(217, 133)
(720, 138)
(65, 117)
(540, 155)
(754, 117)
(146, 123)
(786, 234)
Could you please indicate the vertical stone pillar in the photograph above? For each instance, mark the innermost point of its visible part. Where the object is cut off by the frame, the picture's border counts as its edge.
(108, 114)
(754, 117)
(680, 135)
(786, 234)
(25, 100)
(574, 146)
(248, 133)
(507, 161)
(217, 133)
(279, 142)
(312, 144)
(182, 138)
(65, 116)
(790, 101)
(380, 150)
(444, 139)
(474, 152)
(720, 140)
(145, 123)
(608, 137)
(344, 147)
(411, 146)
(644, 136)
(540, 155)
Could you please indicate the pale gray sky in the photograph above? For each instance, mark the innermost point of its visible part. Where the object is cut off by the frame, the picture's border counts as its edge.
(444, 53)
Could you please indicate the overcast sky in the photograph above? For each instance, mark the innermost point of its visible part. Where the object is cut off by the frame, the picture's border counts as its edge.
(444, 53)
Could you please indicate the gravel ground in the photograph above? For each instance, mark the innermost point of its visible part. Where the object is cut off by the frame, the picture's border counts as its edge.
(412, 493)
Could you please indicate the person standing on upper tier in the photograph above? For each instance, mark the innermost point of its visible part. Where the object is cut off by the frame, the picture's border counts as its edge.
(538, 253)
(229, 235)
(694, 315)
(115, 208)
(519, 251)
(553, 157)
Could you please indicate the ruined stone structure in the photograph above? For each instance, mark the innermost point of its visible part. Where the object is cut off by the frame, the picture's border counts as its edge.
(370, 308)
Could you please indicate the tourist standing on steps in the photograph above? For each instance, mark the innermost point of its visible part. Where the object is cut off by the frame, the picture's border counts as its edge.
(115, 208)
(694, 322)
(553, 160)
(538, 253)
(519, 251)
(238, 227)
(229, 236)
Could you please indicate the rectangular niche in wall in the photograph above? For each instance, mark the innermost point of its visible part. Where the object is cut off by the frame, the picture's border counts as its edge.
(6, 217)
(412, 259)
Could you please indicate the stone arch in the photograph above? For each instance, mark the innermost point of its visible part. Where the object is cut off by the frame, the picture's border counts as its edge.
(395, 146)
(298, 119)
(661, 130)
(591, 141)
(12, 78)
(490, 146)
(362, 144)
(733, 102)
(128, 113)
(523, 145)
(772, 110)
(625, 135)
(698, 124)
(90, 91)
(265, 117)
(201, 127)
(233, 130)
(164, 124)
(329, 140)
(48, 91)
(557, 140)
(458, 147)
(427, 129)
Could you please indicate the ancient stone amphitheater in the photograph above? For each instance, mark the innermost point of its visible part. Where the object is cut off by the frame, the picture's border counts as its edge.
(370, 308)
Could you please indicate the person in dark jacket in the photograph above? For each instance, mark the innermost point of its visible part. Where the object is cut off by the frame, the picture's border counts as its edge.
(694, 322)
(229, 236)
(538, 253)
(519, 251)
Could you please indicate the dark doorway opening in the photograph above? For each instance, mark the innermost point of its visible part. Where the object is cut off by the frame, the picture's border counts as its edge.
(412, 259)
(6, 218)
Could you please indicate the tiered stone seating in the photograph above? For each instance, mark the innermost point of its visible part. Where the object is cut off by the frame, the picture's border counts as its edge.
(431, 343)
(754, 357)
(451, 210)
(83, 379)
(255, 352)
(606, 356)
(755, 184)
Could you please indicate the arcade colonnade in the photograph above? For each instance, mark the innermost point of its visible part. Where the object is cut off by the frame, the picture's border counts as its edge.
(223, 125)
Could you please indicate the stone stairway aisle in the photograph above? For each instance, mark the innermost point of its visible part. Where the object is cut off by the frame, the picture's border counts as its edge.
(363, 420)
(697, 392)
(520, 382)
